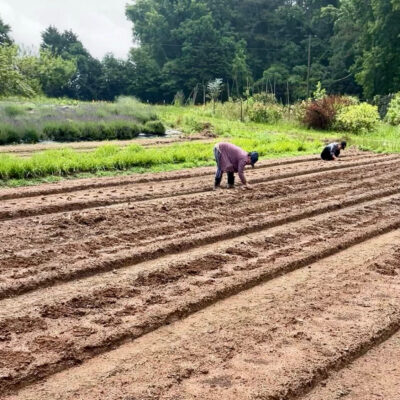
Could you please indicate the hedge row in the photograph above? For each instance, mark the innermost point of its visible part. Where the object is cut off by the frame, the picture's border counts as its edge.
(72, 131)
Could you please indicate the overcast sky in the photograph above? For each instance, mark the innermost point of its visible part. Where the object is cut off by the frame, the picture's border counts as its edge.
(100, 24)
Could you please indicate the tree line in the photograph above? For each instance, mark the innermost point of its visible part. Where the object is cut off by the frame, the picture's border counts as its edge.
(284, 47)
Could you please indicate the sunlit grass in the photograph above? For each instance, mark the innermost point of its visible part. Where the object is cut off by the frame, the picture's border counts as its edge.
(66, 162)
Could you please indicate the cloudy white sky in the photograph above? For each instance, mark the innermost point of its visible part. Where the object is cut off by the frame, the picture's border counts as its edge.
(100, 24)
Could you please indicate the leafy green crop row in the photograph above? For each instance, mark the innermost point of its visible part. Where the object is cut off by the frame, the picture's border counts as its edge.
(110, 157)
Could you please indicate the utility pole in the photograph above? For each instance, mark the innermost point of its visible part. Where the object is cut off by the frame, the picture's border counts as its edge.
(287, 94)
(309, 66)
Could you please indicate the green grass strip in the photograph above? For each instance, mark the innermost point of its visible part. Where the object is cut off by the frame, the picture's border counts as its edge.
(67, 162)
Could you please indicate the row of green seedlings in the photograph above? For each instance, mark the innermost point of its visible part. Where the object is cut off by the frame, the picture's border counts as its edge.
(72, 131)
(111, 157)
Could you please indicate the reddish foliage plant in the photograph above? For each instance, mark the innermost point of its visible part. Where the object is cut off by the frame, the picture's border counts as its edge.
(321, 114)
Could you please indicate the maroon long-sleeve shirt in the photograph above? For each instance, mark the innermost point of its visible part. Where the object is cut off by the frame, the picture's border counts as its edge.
(233, 159)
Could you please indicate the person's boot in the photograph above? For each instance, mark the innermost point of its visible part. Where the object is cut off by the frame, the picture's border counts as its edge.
(217, 183)
(231, 180)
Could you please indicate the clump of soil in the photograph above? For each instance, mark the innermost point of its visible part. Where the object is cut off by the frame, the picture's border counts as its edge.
(208, 131)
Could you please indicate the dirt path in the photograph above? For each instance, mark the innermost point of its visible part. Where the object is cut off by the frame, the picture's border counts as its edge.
(300, 274)
(27, 150)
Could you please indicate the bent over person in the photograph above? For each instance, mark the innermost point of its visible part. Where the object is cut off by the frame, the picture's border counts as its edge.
(332, 151)
(231, 159)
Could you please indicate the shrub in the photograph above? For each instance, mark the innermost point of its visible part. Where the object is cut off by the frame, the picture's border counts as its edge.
(321, 114)
(14, 110)
(62, 131)
(358, 118)
(74, 131)
(265, 98)
(298, 110)
(30, 135)
(3, 135)
(9, 134)
(124, 130)
(259, 112)
(154, 127)
(90, 131)
(393, 113)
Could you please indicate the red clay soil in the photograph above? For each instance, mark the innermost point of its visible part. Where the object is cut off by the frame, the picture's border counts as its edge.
(258, 294)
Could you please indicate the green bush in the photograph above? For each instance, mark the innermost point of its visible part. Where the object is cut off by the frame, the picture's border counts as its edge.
(3, 136)
(359, 118)
(14, 110)
(62, 131)
(90, 131)
(265, 98)
(393, 113)
(298, 110)
(154, 128)
(262, 113)
(30, 135)
(10, 134)
(66, 121)
(124, 130)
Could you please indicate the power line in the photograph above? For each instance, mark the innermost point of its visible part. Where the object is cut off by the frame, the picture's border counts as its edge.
(210, 47)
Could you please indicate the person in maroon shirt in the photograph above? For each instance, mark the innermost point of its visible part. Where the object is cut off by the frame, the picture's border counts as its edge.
(231, 159)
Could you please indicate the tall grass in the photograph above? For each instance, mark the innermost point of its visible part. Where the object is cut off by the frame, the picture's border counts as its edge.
(385, 138)
(30, 122)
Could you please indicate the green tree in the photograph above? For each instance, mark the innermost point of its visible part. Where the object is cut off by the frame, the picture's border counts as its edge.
(4, 33)
(343, 45)
(366, 44)
(214, 90)
(55, 73)
(194, 41)
(12, 80)
(378, 65)
(190, 43)
(240, 70)
(145, 75)
(116, 77)
(86, 83)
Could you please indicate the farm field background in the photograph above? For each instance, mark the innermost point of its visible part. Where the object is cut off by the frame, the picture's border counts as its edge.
(189, 134)
(127, 272)
(155, 286)
(122, 269)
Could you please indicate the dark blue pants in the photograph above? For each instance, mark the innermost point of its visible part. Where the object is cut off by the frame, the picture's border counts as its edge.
(219, 173)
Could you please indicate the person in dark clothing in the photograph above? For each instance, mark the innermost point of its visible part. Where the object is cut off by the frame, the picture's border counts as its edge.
(332, 151)
(231, 159)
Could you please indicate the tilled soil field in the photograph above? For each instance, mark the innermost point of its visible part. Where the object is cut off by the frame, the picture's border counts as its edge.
(156, 287)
